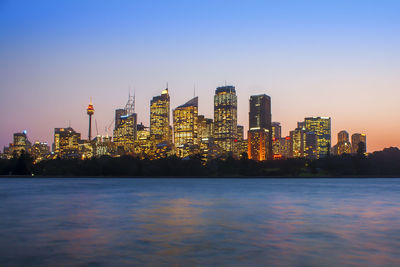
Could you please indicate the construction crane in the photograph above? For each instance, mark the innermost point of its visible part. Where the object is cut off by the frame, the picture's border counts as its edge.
(97, 130)
(109, 126)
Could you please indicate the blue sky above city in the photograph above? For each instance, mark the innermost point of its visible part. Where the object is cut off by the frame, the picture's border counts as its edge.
(314, 58)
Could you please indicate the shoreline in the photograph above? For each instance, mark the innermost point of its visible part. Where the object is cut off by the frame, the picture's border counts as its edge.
(201, 177)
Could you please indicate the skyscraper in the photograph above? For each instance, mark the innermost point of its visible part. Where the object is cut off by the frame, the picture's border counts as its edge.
(276, 130)
(20, 144)
(343, 145)
(257, 144)
(321, 127)
(125, 134)
(160, 130)
(298, 137)
(186, 130)
(125, 130)
(225, 118)
(358, 143)
(260, 132)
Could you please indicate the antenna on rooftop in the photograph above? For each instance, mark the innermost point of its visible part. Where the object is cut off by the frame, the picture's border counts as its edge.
(130, 105)
(134, 98)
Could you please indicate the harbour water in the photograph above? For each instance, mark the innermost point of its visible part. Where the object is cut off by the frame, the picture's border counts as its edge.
(199, 222)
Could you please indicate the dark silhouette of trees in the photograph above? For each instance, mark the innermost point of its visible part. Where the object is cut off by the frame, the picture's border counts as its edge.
(380, 163)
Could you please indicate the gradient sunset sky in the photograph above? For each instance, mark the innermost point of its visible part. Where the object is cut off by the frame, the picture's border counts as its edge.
(314, 58)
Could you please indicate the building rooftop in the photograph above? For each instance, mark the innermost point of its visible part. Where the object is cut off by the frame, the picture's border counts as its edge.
(225, 89)
(194, 102)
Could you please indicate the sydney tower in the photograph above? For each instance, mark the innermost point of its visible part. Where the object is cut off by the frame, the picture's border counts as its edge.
(90, 112)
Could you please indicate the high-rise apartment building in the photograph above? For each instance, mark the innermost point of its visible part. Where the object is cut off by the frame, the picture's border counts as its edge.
(225, 118)
(358, 143)
(260, 132)
(321, 127)
(160, 129)
(186, 129)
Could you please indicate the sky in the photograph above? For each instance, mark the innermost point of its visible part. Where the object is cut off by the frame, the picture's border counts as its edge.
(314, 58)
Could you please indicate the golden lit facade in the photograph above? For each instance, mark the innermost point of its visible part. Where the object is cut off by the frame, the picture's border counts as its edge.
(66, 142)
(206, 127)
(39, 151)
(257, 144)
(321, 126)
(343, 145)
(144, 147)
(282, 148)
(298, 142)
(125, 134)
(20, 144)
(103, 146)
(225, 118)
(186, 129)
(160, 129)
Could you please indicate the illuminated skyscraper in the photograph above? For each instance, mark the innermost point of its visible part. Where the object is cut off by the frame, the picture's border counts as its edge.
(124, 135)
(90, 112)
(298, 137)
(20, 144)
(260, 132)
(257, 144)
(276, 130)
(358, 143)
(185, 119)
(160, 129)
(225, 118)
(66, 143)
(343, 145)
(118, 114)
(321, 127)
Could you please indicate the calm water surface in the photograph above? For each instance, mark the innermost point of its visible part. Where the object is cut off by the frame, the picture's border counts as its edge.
(201, 222)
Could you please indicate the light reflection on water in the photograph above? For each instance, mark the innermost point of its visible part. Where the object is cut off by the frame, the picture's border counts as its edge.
(280, 222)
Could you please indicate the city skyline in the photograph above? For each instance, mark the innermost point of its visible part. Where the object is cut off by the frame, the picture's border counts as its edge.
(335, 59)
(130, 106)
